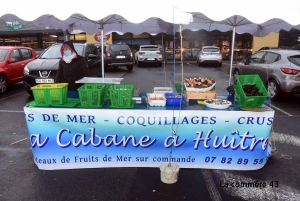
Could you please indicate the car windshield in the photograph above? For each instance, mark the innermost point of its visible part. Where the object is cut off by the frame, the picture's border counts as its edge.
(211, 49)
(119, 47)
(295, 59)
(54, 52)
(3, 54)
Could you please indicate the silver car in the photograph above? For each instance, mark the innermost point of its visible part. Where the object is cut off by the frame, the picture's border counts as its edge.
(209, 54)
(278, 69)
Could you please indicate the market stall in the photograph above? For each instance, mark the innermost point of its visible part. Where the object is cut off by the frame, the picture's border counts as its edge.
(110, 126)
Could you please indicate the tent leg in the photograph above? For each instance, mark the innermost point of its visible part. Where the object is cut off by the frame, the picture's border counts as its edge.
(163, 59)
(102, 54)
(232, 54)
(162, 40)
(162, 45)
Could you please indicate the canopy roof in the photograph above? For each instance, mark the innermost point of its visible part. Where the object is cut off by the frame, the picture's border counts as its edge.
(119, 16)
(257, 17)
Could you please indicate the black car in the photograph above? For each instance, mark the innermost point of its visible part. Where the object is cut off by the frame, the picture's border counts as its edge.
(44, 68)
(116, 55)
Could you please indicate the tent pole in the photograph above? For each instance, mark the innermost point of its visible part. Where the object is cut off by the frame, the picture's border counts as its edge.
(163, 59)
(162, 40)
(162, 45)
(174, 51)
(231, 56)
(102, 52)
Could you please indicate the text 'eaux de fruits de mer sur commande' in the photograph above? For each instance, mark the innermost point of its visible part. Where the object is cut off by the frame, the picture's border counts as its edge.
(118, 158)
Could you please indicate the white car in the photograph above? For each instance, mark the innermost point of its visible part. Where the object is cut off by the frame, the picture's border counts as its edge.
(209, 54)
(148, 54)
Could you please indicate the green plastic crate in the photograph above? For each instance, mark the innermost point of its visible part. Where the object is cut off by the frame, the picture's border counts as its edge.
(121, 96)
(250, 101)
(106, 91)
(48, 94)
(179, 87)
(71, 102)
(91, 95)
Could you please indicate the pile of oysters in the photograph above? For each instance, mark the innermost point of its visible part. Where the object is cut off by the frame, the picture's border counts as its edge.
(218, 101)
(199, 82)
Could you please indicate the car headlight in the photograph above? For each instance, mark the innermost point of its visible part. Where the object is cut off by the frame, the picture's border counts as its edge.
(26, 71)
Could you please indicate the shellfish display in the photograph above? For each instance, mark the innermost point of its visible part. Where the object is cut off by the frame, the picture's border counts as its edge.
(217, 103)
(199, 82)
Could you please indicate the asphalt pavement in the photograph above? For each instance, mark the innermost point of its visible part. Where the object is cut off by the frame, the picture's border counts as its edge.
(21, 180)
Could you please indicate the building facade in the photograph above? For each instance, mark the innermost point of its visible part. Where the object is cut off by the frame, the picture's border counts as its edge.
(244, 45)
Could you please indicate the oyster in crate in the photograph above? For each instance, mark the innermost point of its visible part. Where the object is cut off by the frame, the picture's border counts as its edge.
(156, 99)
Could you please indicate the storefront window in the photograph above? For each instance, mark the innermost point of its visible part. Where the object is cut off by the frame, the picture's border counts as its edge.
(48, 40)
(225, 46)
(295, 38)
(80, 37)
(29, 42)
(145, 41)
(216, 43)
(12, 42)
(72, 37)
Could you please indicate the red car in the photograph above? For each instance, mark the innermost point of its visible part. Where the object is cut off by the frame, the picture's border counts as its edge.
(13, 59)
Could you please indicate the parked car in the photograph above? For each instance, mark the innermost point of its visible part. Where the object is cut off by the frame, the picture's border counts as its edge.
(148, 54)
(13, 59)
(209, 54)
(267, 48)
(195, 52)
(39, 51)
(295, 47)
(116, 55)
(278, 69)
(187, 54)
(170, 53)
(160, 47)
(44, 68)
(190, 53)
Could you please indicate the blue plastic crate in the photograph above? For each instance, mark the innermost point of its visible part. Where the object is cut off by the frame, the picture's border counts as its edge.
(173, 100)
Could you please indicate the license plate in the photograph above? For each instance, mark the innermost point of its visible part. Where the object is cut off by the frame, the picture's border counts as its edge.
(150, 58)
(209, 55)
(44, 80)
(121, 57)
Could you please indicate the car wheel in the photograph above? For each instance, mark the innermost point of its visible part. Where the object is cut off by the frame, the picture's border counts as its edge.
(129, 68)
(138, 64)
(220, 64)
(3, 84)
(235, 74)
(273, 89)
(135, 62)
(199, 64)
(29, 92)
